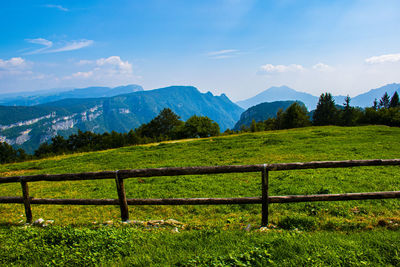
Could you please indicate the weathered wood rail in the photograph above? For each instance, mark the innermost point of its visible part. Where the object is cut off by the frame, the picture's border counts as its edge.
(264, 199)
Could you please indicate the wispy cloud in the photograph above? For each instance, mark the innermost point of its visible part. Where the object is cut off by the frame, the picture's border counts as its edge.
(59, 7)
(383, 59)
(226, 53)
(49, 46)
(322, 67)
(269, 68)
(74, 45)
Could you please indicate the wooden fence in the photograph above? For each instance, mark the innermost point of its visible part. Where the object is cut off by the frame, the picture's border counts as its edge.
(264, 200)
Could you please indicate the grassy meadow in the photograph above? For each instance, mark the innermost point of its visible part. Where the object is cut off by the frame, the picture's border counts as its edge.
(318, 233)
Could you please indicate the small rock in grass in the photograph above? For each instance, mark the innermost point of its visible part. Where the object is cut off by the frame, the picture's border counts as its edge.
(175, 230)
(39, 221)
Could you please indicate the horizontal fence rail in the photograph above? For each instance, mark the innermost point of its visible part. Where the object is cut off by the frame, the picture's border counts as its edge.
(265, 199)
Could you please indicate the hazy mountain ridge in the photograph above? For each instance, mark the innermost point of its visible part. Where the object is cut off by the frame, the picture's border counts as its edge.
(27, 127)
(41, 97)
(284, 93)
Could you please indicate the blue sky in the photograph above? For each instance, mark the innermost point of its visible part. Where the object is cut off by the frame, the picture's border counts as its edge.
(237, 47)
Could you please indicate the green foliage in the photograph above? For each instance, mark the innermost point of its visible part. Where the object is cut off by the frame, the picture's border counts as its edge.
(295, 116)
(394, 101)
(165, 126)
(384, 102)
(132, 246)
(200, 126)
(261, 112)
(162, 126)
(326, 112)
(214, 235)
(9, 154)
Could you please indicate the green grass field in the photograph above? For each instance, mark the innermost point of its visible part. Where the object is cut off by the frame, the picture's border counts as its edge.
(318, 233)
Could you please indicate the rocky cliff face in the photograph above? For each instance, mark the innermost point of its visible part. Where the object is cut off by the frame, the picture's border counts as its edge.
(28, 127)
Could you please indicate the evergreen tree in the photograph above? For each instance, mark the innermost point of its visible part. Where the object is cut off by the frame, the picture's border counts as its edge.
(375, 105)
(326, 112)
(9, 154)
(253, 126)
(347, 117)
(384, 101)
(295, 116)
(394, 102)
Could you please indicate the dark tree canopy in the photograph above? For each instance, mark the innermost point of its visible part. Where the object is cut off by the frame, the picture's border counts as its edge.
(199, 126)
(384, 101)
(9, 154)
(347, 114)
(326, 112)
(162, 125)
(295, 116)
(395, 101)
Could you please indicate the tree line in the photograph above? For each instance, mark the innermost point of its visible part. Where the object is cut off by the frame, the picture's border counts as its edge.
(168, 126)
(386, 111)
(165, 126)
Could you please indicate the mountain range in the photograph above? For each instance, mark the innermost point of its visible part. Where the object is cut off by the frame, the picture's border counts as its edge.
(28, 126)
(40, 97)
(283, 93)
(28, 119)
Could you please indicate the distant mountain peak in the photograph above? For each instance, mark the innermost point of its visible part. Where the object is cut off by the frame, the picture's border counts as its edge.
(280, 93)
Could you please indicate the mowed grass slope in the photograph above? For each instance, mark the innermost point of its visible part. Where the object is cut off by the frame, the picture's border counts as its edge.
(296, 145)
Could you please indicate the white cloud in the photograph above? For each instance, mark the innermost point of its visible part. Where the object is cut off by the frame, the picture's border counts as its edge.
(116, 64)
(111, 69)
(269, 68)
(383, 59)
(322, 67)
(13, 63)
(59, 7)
(48, 46)
(14, 66)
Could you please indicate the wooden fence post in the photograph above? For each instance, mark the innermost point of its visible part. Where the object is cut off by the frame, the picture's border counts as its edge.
(123, 204)
(27, 203)
(265, 199)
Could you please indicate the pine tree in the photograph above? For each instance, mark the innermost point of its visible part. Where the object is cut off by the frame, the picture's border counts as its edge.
(347, 114)
(394, 102)
(384, 101)
(375, 106)
(326, 112)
